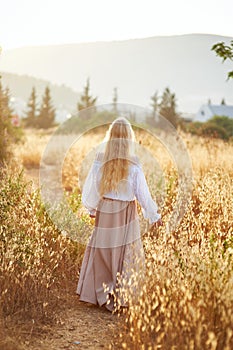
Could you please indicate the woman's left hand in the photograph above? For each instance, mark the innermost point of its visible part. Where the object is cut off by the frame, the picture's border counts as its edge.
(157, 224)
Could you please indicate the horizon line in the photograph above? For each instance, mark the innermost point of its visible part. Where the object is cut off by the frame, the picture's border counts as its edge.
(2, 49)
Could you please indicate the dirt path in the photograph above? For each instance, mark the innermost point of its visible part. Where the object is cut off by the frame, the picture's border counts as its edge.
(84, 326)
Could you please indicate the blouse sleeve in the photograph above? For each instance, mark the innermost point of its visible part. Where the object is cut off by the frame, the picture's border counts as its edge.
(90, 193)
(142, 193)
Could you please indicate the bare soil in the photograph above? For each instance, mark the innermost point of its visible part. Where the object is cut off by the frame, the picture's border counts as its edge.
(84, 326)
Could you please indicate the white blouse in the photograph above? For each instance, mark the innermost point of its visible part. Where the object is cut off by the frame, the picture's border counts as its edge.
(136, 188)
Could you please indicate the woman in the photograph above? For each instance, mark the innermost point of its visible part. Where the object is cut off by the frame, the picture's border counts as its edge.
(112, 186)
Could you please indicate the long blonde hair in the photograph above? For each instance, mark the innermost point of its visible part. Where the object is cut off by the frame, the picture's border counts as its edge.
(117, 156)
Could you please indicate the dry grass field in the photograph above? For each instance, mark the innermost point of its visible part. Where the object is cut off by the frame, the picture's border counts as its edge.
(184, 299)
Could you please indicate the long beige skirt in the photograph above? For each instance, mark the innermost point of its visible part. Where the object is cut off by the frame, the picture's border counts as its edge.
(114, 249)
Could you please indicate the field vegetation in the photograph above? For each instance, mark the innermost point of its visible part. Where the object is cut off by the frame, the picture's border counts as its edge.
(185, 298)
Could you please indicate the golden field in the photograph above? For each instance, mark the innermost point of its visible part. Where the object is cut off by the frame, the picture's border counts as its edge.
(185, 298)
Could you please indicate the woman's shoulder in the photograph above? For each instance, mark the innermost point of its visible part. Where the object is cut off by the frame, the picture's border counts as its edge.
(135, 164)
(99, 156)
(134, 159)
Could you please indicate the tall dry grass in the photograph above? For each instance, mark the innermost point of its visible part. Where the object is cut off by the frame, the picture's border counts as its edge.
(185, 298)
(38, 266)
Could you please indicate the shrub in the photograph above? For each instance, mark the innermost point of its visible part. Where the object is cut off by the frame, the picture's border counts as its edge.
(78, 123)
(225, 122)
(193, 127)
(213, 130)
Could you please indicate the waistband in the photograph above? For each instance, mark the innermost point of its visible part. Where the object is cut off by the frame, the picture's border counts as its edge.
(118, 200)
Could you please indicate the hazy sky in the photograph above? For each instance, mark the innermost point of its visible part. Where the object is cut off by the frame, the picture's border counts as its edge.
(42, 22)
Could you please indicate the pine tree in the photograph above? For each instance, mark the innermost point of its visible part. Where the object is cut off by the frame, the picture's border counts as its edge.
(154, 104)
(46, 117)
(151, 118)
(86, 101)
(167, 107)
(223, 102)
(31, 114)
(114, 100)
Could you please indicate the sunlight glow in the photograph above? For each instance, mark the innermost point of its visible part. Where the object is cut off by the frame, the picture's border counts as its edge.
(32, 23)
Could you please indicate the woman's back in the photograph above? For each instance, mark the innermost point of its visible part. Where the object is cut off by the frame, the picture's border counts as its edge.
(129, 189)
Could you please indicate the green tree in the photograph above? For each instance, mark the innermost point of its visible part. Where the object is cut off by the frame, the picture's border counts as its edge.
(31, 114)
(46, 117)
(86, 101)
(167, 107)
(225, 52)
(6, 128)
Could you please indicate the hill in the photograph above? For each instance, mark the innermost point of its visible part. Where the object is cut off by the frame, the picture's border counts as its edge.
(64, 98)
(138, 67)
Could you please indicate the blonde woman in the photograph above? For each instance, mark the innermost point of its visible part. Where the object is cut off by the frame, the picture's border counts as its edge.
(114, 183)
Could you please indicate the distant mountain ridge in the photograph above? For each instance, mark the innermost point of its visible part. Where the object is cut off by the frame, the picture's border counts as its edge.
(137, 67)
(21, 86)
(64, 98)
